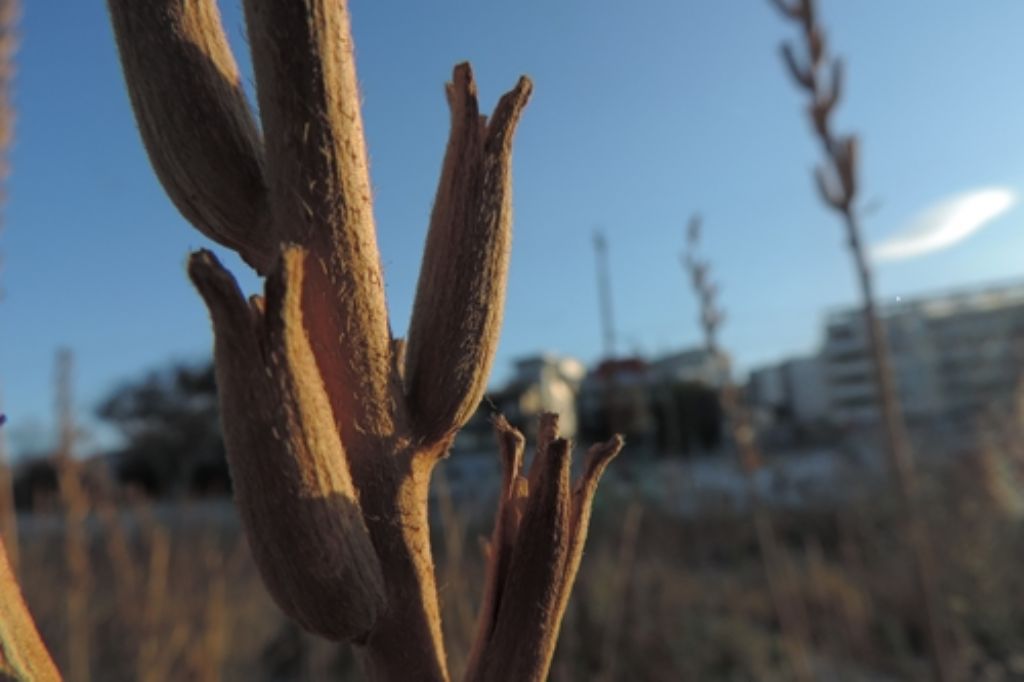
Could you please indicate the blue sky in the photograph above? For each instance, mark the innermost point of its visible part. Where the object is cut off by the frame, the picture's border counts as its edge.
(641, 115)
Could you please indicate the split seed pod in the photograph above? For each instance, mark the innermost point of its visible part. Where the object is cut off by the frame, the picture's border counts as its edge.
(461, 292)
(292, 483)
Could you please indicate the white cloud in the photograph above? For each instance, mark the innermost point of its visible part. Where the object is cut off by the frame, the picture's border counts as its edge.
(945, 224)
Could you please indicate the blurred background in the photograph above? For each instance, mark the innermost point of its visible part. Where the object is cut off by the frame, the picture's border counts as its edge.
(796, 567)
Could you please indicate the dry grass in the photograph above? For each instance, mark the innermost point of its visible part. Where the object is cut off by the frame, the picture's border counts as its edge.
(778, 572)
(175, 594)
(124, 590)
(819, 75)
(658, 598)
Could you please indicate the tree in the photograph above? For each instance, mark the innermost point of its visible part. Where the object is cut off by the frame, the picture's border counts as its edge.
(170, 422)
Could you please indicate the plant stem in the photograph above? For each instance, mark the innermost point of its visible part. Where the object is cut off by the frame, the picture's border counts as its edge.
(898, 449)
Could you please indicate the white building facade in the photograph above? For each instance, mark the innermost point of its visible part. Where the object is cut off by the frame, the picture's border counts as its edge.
(952, 355)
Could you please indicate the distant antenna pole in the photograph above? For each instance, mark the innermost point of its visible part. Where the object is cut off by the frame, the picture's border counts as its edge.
(604, 289)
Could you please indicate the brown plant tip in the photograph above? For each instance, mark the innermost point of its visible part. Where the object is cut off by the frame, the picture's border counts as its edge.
(598, 458)
(525, 628)
(465, 262)
(511, 444)
(547, 433)
(822, 77)
(217, 287)
(534, 555)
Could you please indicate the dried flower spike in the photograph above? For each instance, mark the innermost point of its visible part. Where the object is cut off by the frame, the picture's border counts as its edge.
(332, 425)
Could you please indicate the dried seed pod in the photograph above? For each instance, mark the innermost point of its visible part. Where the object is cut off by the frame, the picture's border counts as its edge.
(292, 484)
(331, 433)
(524, 631)
(461, 292)
(513, 493)
(195, 121)
(535, 551)
(819, 112)
(598, 458)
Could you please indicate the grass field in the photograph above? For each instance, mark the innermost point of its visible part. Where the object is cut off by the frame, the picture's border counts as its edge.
(172, 593)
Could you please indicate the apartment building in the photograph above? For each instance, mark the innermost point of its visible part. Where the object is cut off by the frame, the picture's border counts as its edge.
(953, 355)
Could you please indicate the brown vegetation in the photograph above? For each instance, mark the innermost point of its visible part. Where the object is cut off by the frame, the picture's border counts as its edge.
(821, 78)
(789, 614)
(690, 602)
(9, 10)
(333, 426)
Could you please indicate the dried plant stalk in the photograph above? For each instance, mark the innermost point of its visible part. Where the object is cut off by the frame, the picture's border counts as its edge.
(821, 79)
(158, 547)
(9, 11)
(791, 616)
(532, 562)
(620, 586)
(74, 504)
(212, 648)
(23, 656)
(333, 426)
(8, 515)
(319, 186)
